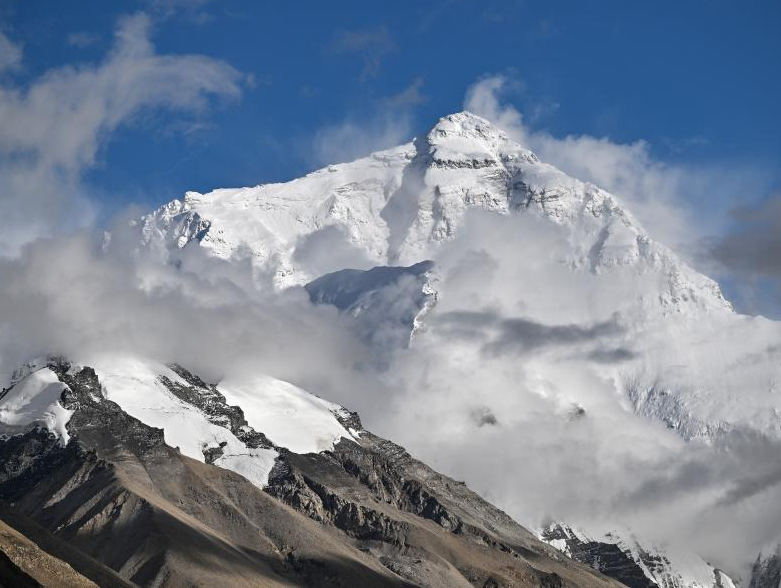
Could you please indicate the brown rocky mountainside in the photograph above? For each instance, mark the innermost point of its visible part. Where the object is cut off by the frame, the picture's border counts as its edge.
(117, 507)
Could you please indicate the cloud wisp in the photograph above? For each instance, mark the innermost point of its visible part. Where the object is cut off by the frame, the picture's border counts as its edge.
(52, 130)
(372, 44)
(678, 203)
(750, 251)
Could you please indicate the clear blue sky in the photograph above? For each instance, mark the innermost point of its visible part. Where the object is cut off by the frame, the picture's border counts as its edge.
(699, 80)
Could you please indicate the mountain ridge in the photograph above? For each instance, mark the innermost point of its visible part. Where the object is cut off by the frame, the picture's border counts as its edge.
(360, 197)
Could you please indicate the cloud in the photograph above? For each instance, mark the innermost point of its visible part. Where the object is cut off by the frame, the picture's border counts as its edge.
(517, 336)
(753, 245)
(746, 256)
(612, 355)
(10, 54)
(174, 4)
(193, 10)
(372, 44)
(82, 39)
(77, 295)
(677, 203)
(351, 139)
(328, 250)
(409, 96)
(52, 130)
(515, 385)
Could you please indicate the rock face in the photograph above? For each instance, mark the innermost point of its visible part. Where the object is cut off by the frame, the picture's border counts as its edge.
(388, 303)
(766, 572)
(608, 558)
(31, 556)
(362, 514)
(621, 556)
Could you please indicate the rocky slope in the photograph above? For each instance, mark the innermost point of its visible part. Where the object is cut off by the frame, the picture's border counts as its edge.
(363, 513)
(623, 557)
(766, 572)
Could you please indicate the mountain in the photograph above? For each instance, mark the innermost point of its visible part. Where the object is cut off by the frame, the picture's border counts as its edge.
(530, 337)
(387, 302)
(622, 556)
(403, 205)
(161, 477)
(392, 206)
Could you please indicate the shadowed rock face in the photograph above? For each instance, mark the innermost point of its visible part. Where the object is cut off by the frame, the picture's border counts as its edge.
(766, 572)
(386, 302)
(364, 514)
(605, 557)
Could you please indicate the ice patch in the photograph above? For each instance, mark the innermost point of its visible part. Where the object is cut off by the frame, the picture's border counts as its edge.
(289, 416)
(35, 400)
(134, 384)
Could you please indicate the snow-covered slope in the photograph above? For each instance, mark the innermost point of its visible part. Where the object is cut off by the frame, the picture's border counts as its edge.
(164, 398)
(35, 400)
(621, 555)
(399, 206)
(395, 206)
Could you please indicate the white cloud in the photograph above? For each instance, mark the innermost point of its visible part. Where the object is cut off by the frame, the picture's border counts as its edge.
(10, 54)
(678, 203)
(352, 139)
(82, 39)
(52, 130)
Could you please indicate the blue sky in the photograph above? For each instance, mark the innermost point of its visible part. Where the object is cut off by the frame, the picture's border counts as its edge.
(699, 81)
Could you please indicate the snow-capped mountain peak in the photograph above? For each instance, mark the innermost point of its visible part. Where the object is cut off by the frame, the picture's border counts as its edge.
(396, 207)
(464, 138)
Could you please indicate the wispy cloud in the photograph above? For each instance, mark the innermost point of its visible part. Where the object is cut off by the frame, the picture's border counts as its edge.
(750, 253)
(10, 54)
(678, 203)
(52, 129)
(372, 44)
(351, 138)
(82, 39)
(389, 125)
(410, 96)
(195, 12)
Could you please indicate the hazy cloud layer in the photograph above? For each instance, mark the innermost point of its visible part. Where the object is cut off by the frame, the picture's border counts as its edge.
(82, 39)
(750, 251)
(753, 246)
(73, 296)
(515, 385)
(328, 250)
(509, 336)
